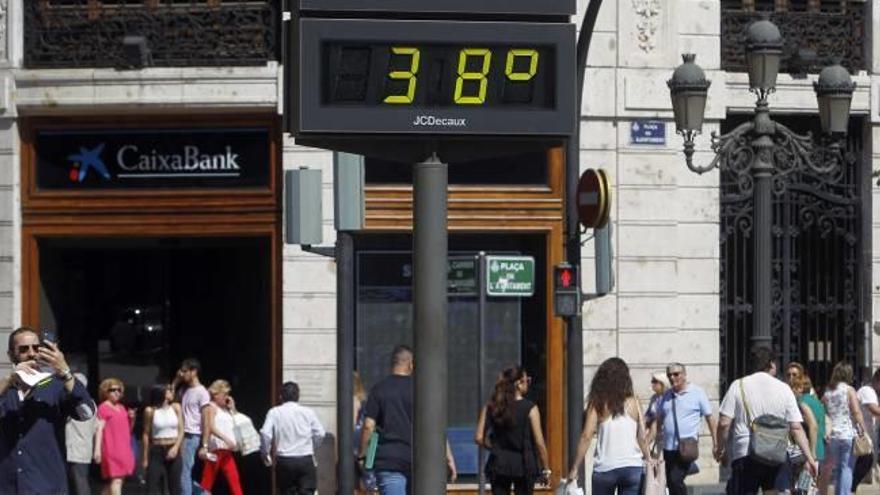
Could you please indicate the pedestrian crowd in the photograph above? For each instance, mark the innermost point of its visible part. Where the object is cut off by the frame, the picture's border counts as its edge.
(774, 434)
(52, 431)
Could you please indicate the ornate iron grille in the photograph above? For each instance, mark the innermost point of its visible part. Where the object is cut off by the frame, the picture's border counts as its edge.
(819, 298)
(88, 33)
(813, 31)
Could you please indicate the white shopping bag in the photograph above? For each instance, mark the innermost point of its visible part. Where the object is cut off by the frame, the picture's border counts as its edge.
(568, 488)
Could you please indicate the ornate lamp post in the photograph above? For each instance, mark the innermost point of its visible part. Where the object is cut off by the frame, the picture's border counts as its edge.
(762, 146)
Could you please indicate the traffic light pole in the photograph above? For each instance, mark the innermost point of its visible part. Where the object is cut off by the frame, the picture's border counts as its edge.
(430, 252)
(575, 339)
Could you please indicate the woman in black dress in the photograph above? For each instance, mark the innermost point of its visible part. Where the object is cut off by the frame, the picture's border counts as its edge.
(510, 428)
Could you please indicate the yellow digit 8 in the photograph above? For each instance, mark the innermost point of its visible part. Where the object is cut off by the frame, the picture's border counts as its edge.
(464, 75)
(405, 75)
(533, 64)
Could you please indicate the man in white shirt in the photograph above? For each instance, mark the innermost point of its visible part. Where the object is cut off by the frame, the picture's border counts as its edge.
(764, 394)
(867, 396)
(288, 439)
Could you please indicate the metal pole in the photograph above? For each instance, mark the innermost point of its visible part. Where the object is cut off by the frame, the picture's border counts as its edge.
(345, 361)
(762, 172)
(430, 252)
(481, 357)
(575, 343)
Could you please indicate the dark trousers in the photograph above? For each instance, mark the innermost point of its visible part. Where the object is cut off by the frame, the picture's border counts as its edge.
(296, 475)
(676, 471)
(163, 475)
(750, 477)
(863, 467)
(79, 478)
(521, 485)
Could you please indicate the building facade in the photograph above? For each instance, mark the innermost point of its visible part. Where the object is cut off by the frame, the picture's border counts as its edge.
(141, 208)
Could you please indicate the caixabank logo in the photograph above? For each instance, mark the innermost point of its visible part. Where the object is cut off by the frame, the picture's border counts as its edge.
(85, 160)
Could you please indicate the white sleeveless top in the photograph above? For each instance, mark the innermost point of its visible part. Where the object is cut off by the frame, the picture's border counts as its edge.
(223, 422)
(837, 406)
(164, 423)
(616, 446)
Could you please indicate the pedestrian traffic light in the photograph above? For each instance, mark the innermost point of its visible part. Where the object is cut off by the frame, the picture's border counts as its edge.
(566, 290)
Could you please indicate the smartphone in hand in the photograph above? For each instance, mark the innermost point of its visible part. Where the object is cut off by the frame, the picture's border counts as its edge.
(49, 336)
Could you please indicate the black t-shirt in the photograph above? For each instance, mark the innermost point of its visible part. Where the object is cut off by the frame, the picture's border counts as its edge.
(390, 405)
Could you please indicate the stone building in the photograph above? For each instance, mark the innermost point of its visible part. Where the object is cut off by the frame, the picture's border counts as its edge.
(178, 250)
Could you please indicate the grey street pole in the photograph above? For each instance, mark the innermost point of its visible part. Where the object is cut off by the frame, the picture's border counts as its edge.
(430, 252)
(345, 361)
(481, 358)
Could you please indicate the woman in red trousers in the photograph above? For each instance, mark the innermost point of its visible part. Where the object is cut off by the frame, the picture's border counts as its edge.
(217, 452)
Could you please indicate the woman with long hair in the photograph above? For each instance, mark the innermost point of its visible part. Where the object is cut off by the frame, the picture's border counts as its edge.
(161, 441)
(217, 454)
(113, 439)
(510, 428)
(842, 407)
(621, 448)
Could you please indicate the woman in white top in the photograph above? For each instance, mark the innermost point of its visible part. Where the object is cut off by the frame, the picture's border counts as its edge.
(843, 410)
(621, 449)
(163, 435)
(218, 438)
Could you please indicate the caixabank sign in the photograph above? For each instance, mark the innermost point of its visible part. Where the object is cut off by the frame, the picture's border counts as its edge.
(152, 158)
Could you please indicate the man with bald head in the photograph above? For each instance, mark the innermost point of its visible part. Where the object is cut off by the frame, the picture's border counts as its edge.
(36, 399)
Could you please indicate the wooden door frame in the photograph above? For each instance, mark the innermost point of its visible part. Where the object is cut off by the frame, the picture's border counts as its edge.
(533, 209)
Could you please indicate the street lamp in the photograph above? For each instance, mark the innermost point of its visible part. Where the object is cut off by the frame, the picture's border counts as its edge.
(762, 146)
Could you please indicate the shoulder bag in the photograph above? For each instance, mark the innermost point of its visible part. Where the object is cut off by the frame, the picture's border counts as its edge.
(862, 445)
(768, 437)
(688, 448)
(246, 436)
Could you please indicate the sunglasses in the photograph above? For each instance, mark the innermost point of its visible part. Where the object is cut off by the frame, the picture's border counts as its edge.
(673, 374)
(655, 381)
(114, 389)
(24, 348)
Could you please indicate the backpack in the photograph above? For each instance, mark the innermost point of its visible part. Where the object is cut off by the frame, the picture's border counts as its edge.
(768, 440)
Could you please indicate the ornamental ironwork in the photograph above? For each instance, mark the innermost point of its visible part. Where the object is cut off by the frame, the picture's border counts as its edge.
(819, 288)
(812, 37)
(87, 33)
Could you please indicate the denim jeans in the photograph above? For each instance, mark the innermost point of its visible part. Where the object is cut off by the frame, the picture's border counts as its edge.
(393, 483)
(839, 457)
(625, 480)
(190, 447)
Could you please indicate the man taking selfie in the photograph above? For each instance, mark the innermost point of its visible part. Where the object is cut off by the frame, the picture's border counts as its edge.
(36, 400)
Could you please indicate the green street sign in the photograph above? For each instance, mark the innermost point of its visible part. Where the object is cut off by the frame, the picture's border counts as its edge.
(462, 276)
(510, 276)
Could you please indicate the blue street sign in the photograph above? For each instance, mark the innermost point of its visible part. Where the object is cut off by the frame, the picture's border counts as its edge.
(648, 132)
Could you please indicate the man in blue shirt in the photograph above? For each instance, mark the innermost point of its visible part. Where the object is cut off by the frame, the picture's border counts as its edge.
(691, 405)
(32, 417)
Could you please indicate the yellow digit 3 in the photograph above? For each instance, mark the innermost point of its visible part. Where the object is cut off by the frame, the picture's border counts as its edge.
(465, 75)
(410, 75)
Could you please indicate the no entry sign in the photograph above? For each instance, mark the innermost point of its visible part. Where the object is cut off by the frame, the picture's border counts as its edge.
(593, 199)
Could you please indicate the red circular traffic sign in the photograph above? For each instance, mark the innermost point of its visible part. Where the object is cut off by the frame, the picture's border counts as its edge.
(593, 199)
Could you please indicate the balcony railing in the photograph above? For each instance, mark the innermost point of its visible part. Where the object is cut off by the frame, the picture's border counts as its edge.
(177, 33)
(815, 33)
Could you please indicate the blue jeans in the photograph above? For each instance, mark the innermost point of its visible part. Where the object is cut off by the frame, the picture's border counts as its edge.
(190, 447)
(625, 480)
(393, 483)
(839, 456)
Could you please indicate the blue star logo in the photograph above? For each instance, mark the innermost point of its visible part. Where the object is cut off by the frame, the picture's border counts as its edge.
(89, 159)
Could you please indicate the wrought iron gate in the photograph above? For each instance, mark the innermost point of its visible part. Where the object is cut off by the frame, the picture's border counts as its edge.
(820, 272)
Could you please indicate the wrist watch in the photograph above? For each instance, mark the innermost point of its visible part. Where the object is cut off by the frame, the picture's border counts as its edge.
(66, 375)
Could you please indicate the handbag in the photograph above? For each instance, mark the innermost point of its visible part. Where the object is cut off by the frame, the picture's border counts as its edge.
(769, 434)
(246, 436)
(688, 448)
(862, 445)
(655, 477)
(568, 488)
